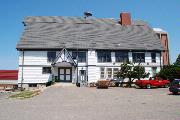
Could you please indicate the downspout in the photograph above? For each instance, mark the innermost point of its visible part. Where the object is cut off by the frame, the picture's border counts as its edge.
(77, 83)
(160, 61)
(22, 68)
(87, 68)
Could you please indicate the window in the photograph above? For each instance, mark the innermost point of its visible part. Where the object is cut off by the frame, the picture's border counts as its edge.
(121, 56)
(51, 55)
(154, 69)
(115, 71)
(74, 55)
(82, 72)
(109, 72)
(46, 70)
(153, 57)
(138, 57)
(81, 56)
(158, 35)
(33, 85)
(102, 75)
(104, 56)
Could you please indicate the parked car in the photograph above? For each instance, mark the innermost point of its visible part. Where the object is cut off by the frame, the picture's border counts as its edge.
(152, 83)
(175, 86)
(116, 81)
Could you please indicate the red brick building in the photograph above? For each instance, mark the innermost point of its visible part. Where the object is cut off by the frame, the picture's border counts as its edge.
(163, 36)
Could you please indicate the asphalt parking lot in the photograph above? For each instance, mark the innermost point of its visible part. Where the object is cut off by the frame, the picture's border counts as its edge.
(72, 103)
(4, 95)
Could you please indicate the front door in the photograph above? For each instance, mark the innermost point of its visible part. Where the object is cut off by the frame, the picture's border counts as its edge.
(65, 74)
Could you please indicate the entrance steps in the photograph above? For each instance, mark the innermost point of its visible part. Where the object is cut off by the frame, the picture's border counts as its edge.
(64, 85)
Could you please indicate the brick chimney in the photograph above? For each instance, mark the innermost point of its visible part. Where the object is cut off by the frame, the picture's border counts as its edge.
(125, 19)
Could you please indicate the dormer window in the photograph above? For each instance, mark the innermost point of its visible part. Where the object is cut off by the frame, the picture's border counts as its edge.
(104, 56)
(51, 56)
(81, 56)
(121, 56)
(138, 57)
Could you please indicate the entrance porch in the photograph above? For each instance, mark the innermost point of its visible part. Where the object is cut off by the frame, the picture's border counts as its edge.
(65, 74)
(65, 69)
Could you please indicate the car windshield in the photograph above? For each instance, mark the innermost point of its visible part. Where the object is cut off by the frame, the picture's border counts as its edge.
(176, 82)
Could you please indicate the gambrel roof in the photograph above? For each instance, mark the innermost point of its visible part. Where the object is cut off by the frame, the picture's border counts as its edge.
(45, 32)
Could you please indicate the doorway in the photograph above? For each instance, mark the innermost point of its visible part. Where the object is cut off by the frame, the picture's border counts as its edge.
(65, 74)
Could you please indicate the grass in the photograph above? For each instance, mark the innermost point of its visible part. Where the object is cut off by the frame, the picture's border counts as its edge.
(26, 94)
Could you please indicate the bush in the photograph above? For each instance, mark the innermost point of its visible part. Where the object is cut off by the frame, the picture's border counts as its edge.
(49, 83)
(102, 84)
(170, 72)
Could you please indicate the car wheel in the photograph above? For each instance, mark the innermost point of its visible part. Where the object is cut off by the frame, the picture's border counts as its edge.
(148, 86)
(166, 85)
(175, 93)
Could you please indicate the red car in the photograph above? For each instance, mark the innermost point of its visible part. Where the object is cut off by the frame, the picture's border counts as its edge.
(152, 83)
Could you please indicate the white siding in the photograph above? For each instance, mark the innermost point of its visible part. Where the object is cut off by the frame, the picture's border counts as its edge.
(130, 56)
(93, 73)
(92, 57)
(92, 69)
(148, 70)
(113, 58)
(34, 58)
(148, 57)
(33, 75)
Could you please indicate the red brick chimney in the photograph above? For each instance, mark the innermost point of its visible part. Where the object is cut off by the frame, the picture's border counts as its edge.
(125, 19)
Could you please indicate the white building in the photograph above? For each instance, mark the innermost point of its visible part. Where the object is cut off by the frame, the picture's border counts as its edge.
(73, 49)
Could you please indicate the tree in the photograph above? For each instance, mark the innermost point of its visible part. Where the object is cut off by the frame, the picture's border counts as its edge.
(169, 72)
(177, 61)
(140, 72)
(130, 71)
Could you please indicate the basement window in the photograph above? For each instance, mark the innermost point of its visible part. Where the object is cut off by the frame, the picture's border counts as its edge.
(33, 85)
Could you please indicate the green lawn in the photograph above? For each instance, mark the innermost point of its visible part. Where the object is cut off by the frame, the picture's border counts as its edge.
(26, 94)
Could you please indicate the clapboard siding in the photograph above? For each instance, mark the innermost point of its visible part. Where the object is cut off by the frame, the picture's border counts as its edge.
(35, 60)
(40, 58)
(92, 74)
(14, 82)
(92, 57)
(33, 75)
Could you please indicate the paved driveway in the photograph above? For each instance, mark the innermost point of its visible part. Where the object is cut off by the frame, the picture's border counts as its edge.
(72, 103)
(4, 95)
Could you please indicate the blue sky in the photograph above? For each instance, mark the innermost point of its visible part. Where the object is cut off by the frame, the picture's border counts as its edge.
(158, 13)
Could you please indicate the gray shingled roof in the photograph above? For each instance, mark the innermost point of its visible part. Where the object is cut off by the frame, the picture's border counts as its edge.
(45, 32)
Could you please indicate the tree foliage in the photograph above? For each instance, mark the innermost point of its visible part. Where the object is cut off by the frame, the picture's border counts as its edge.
(177, 61)
(130, 71)
(169, 72)
(140, 72)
